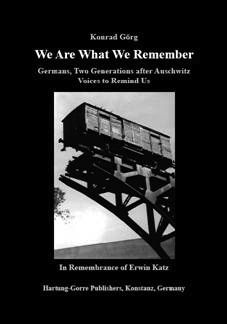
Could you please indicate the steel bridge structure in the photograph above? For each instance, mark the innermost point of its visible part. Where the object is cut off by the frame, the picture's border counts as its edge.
(95, 172)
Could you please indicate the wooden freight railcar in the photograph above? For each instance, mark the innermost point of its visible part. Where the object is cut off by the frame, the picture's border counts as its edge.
(88, 126)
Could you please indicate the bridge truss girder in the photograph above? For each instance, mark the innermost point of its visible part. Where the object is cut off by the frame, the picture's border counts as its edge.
(111, 174)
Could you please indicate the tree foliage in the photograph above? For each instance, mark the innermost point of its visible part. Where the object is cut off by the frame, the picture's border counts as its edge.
(59, 198)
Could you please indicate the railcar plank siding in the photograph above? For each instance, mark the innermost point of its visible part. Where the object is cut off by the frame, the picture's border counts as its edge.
(91, 110)
(128, 132)
(166, 150)
(155, 144)
(136, 134)
(104, 125)
(116, 128)
(88, 125)
(145, 139)
(92, 119)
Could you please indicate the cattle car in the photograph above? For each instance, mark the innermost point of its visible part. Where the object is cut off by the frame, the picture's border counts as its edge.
(88, 126)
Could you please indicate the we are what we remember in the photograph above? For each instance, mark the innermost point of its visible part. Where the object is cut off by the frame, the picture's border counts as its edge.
(92, 54)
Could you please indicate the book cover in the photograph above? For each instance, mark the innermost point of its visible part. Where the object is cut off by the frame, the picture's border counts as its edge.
(113, 165)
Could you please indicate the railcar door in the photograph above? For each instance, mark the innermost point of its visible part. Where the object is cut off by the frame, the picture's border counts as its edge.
(132, 133)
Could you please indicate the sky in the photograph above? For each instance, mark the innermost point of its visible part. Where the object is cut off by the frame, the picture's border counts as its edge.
(91, 223)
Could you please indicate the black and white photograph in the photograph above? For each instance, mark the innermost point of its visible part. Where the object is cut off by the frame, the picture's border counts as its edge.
(114, 175)
(113, 163)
